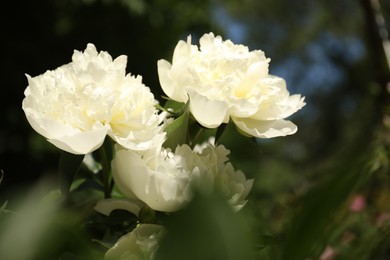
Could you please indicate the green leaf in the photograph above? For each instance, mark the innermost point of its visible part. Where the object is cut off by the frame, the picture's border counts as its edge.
(175, 107)
(69, 165)
(3, 208)
(177, 131)
(306, 236)
(207, 228)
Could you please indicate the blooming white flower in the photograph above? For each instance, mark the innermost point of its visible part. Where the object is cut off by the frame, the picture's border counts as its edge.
(76, 105)
(229, 182)
(141, 243)
(159, 178)
(164, 180)
(224, 80)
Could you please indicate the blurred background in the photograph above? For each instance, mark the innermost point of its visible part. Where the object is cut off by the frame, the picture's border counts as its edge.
(330, 51)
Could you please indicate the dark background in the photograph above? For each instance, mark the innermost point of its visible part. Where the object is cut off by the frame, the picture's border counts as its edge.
(329, 51)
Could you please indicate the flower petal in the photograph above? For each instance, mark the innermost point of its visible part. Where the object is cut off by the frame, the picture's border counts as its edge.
(124, 165)
(141, 243)
(240, 107)
(157, 189)
(169, 86)
(265, 129)
(82, 142)
(64, 136)
(209, 113)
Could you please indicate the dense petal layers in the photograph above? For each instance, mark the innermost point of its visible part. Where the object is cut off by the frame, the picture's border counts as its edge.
(224, 80)
(78, 104)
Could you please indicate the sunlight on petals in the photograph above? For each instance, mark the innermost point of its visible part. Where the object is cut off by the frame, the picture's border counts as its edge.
(167, 84)
(76, 105)
(209, 113)
(226, 80)
(265, 129)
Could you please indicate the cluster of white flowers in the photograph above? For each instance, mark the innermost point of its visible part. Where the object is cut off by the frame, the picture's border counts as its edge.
(78, 104)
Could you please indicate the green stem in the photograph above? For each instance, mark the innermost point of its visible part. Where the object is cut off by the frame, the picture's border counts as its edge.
(220, 131)
(197, 135)
(106, 172)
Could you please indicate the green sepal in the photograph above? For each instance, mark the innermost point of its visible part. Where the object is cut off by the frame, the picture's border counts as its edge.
(177, 131)
(147, 215)
(175, 108)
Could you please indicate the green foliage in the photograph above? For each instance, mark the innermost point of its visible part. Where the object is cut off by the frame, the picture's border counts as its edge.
(317, 211)
(207, 228)
(299, 204)
(177, 131)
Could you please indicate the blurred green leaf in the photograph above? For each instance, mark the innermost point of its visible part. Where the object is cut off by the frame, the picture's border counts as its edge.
(3, 208)
(207, 228)
(311, 225)
(69, 165)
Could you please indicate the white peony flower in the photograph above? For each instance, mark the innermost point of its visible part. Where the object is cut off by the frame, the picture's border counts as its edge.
(163, 179)
(159, 178)
(224, 80)
(141, 243)
(229, 182)
(76, 105)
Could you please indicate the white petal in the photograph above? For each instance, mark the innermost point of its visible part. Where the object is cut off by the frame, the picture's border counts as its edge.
(82, 142)
(124, 165)
(141, 243)
(63, 136)
(139, 144)
(183, 49)
(132, 176)
(169, 86)
(243, 108)
(265, 129)
(44, 126)
(209, 113)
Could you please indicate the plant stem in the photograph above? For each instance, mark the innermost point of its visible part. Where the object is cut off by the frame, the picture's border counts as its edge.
(106, 172)
(196, 137)
(219, 132)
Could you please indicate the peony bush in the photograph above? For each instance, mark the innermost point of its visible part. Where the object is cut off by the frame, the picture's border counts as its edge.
(149, 159)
